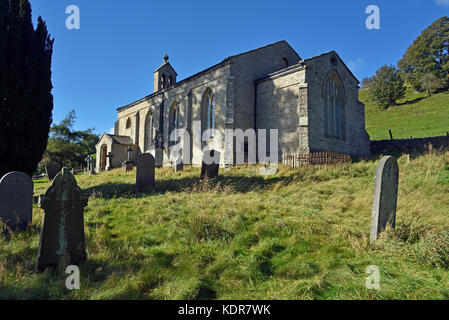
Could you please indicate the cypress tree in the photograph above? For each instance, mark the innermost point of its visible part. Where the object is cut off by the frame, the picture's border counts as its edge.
(26, 102)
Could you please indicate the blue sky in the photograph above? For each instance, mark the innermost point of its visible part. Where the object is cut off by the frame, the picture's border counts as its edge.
(109, 61)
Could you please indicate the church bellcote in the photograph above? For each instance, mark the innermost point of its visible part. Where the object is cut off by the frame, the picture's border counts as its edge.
(164, 76)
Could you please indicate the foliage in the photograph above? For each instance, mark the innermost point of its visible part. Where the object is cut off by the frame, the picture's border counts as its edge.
(387, 86)
(67, 146)
(430, 82)
(300, 234)
(367, 82)
(26, 102)
(429, 53)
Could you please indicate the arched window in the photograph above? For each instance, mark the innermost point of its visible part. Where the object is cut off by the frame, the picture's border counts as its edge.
(175, 120)
(284, 62)
(208, 112)
(334, 106)
(163, 81)
(128, 123)
(148, 131)
(170, 80)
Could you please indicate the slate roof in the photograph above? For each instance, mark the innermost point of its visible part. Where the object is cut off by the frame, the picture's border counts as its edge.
(121, 139)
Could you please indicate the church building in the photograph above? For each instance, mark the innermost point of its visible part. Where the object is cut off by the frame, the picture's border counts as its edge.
(313, 103)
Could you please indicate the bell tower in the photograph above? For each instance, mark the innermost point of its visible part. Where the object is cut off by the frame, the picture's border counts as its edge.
(164, 76)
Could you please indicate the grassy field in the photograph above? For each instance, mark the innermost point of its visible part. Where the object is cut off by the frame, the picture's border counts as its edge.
(301, 234)
(416, 116)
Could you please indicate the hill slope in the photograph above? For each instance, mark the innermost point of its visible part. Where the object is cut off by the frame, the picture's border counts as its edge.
(301, 234)
(416, 115)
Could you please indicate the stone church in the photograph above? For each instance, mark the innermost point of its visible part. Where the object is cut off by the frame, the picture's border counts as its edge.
(313, 103)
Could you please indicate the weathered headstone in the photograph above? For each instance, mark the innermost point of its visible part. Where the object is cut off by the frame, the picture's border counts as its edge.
(110, 156)
(52, 170)
(178, 165)
(145, 171)
(385, 196)
(62, 240)
(210, 164)
(90, 165)
(16, 200)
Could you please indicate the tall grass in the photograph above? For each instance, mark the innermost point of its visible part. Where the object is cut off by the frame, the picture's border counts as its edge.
(301, 234)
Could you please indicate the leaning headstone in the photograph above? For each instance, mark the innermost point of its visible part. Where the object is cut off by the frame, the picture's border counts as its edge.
(210, 164)
(385, 196)
(52, 170)
(145, 171)
(62, 239)
(16, 200)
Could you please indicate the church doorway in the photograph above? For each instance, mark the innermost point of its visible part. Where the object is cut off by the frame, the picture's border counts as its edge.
(103, 154)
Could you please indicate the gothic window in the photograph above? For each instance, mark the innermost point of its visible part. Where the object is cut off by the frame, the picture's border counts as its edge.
(334, 106)
(128, 123)
(170, 80)
(208, 119)
(175, 120)
(148, 131)
(284, 62)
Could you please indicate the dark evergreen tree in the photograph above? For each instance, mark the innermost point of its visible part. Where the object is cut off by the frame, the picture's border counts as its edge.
(26, 102)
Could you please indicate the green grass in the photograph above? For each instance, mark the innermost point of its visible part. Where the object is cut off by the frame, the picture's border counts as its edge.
(416, 116)
(301, 234)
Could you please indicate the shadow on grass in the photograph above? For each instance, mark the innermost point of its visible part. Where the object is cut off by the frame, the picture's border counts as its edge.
(411, 101)
(128, 190)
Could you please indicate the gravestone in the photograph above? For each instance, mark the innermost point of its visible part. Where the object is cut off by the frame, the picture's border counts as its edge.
(145, 171)
(52, 170)
(178, 165)
(62, 240)
(385, 196)
(16, 200)
(210, 164)
(90, 165)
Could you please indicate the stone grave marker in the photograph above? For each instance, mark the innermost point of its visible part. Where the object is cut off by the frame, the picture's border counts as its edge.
(145, 171)
(52, 170)
(385, 196)
(16, 200)
(210, 164)
(62, 241)
(178, 165)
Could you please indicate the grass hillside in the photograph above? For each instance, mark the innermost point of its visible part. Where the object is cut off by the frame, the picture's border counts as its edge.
(301, 234)
(416, 115)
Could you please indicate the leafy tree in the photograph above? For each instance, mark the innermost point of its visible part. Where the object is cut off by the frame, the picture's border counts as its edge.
(430, 82)
(387, 86)
(367, 82)
(26, 102)
(67, 146)
(429, 53)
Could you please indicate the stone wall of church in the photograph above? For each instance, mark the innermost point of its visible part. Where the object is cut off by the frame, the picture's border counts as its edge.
(355, 139)
(188, 95)
(250, 67)
(281, 102)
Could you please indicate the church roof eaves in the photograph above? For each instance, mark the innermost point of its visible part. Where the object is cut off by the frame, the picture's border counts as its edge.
(165, 63)
(124, 140)
(332, 52)
(220, 64)
(154, 94)
(282, 72)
